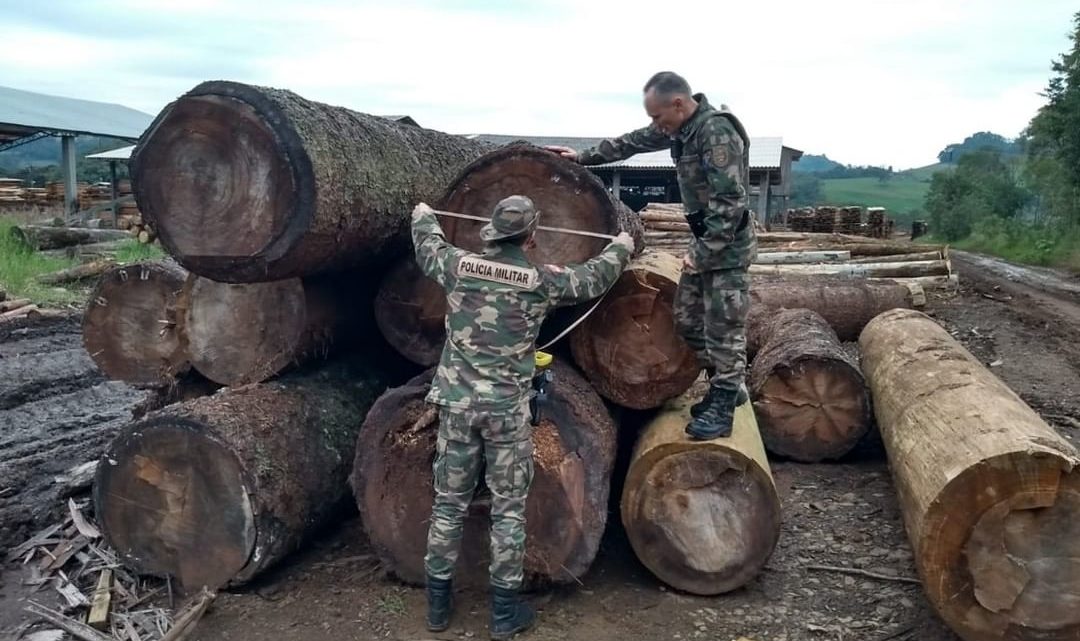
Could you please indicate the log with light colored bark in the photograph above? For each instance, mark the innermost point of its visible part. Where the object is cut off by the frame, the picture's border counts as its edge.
(902, 269)
(945, 283)
(628, 347)
(802, 257)
(862, 247)
(894, 258)
(810, 397)
(703, 516)
(989, 492)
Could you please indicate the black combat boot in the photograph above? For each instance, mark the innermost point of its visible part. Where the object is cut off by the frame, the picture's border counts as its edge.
(509, 614)
(714, 421)
(440, 601)
(740, 398)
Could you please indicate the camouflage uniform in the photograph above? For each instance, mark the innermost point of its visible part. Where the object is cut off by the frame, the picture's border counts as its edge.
(496, 303)
(711, 156)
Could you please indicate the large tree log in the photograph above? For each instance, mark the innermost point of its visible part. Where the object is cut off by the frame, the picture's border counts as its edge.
(847, 304)
(990, 493)
(865, 248)
(703, 516)
(409, 308)
(40, 237)
(895, 258)
(130, 324)
(803, 257)
(252, 184)
(943, 282)
(809, 395)
(247, 333)
(78, 272)
(214, 490)
(567, 505)
(628, 347)
(902, 269)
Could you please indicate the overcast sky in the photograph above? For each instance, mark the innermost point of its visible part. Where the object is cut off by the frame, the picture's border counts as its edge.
(865, 81)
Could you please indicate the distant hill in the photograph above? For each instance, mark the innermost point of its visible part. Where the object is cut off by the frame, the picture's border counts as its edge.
(813, 164)
(975, 142)
(47, 151)
(903, 194)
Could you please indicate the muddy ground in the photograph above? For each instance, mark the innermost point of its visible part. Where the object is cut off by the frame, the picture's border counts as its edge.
(56, 410)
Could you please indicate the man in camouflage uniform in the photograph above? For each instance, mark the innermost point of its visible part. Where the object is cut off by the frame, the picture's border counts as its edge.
(710, 148)
(496, 303)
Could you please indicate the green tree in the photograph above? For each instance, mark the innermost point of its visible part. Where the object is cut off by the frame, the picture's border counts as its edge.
(982, 186)
(805, 190)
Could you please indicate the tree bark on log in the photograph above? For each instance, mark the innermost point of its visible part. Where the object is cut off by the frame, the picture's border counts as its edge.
(78, 272)
(648, 217)
(989, 492)
(846, 304)
(39, 237)
(215, 490)
(810, 397)
(409, 308)
(566, 511)
(802, 257)
(667, 226)
(895, 258)
(902, 269)
(300, 188)
(13, 304)
(703, 516)
(865, 248)
(628, 347)
(949, 282)
(130, 326)
(246, 333)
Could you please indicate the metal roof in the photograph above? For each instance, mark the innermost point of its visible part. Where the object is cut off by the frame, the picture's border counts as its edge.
(25, 113)
(122, 153)
(765, 153)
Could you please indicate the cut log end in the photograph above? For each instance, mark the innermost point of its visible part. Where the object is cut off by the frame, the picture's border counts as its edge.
(410, 311)
(812, 410)
(129, 328)
(214, 175)
(702, 516)
(185, 510)
(218, 322)
(628, 347)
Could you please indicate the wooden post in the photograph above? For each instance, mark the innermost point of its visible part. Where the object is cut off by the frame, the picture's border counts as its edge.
(616, 184)
(67, 167)
(763, 199)
(112, 189)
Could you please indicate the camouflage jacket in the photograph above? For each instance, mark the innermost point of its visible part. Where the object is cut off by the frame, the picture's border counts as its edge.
(496, 302)
(711, 154)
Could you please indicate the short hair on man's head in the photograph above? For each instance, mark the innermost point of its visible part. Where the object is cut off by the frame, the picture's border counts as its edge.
(667, 84)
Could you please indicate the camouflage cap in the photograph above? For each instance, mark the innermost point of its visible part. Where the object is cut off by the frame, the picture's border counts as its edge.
(513, 216)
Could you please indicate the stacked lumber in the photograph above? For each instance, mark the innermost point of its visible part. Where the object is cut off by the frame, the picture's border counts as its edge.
(666, 228)
(848, 221)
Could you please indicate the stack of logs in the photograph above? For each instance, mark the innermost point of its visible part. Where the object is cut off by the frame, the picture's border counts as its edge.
(213, 489)
(840, 220)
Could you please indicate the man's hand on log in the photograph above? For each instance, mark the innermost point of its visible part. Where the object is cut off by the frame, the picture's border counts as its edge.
(565, 152)
(421, 209)
(688, 264)
(626, 240)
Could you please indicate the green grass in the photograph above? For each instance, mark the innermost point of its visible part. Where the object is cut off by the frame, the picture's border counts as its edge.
(20, 266)
(903, 195)
(133, 251)
(1021, 243)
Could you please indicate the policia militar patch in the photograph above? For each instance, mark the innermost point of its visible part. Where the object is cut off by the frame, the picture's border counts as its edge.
(489, 270)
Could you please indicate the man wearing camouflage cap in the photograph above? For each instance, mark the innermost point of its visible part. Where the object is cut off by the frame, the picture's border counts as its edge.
(496, 302)
(710, 149)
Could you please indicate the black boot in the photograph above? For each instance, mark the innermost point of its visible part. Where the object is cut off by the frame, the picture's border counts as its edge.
(509, 614)
(440, 601)
(740, 398)
(714, 421)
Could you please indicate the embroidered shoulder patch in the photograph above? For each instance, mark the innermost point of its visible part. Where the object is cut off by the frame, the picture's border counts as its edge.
(491, 271)
(719, 156)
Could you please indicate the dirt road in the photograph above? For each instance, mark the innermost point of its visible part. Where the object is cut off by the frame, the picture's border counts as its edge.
(1027, 330)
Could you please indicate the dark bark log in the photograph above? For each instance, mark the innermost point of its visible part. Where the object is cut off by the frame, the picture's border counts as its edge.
(628, 347)
(215, 490)
(252, 184)
(78, 272)
(847, 304)
(130, 324)
(39, 237)
(703, 516)
(809, 395)
(567, 505)
(566, 194)
(990, 493)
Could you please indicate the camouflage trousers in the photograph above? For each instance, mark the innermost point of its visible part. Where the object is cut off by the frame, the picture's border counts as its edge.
(710, 314)
(466, 440)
